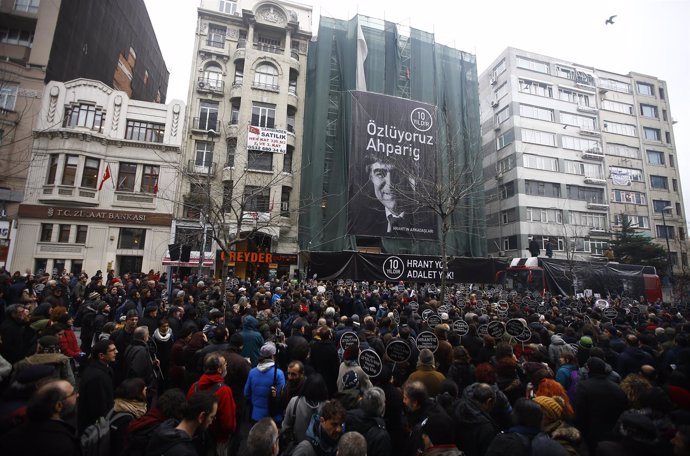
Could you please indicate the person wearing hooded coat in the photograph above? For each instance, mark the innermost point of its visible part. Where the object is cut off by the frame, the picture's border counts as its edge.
(475, 426)
(556, 349)
(367, 419)
(253, 341)
(261, 381)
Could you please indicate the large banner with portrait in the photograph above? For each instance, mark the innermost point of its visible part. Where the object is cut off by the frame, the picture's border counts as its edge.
(392, 167)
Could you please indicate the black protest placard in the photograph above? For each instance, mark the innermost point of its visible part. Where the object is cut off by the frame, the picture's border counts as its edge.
(514, 327)
(427, 339)
(461, 327)
(349, 339)
(370, 362)
(398, 351)
(496, 329)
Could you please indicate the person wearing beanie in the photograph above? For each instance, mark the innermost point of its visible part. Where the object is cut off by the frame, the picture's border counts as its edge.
(554, 425)
(48, 354)
(351, 363)
(427, 374)
(584, 346)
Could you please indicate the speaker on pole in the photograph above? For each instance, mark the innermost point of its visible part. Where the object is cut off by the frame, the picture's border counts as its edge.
(174, 250)
(185, 251)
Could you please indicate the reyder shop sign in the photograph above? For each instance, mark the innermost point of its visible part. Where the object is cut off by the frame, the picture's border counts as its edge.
(93, 215)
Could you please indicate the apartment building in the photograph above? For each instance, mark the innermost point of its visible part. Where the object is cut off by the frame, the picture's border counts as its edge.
(241, 169)
(571, 151)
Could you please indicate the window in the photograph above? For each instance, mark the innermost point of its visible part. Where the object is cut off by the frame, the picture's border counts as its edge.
(287, 160)
(636, 221)
(52, 168)
(500, 68)
(506, 190)
(565, 72)
(17, 36)
(69, 171)
(505, 139)
(538, 214)
(204, 154)
(263, 115)
(665, 231)
(266, 77)
(506, 164)
(63, 234)
(608, 105)
(662, 94)
(659, 206)
(239, 73)
(258, 160)
(678, 211)
(232, 149)
(81, 234)
(649, 111)
(84, 115)
(285, 202)
(655, 157)
(27, 6)
(213, 76)
(46, 232)
(623, 176)
(501, 92)
(620, 196)
(132, 238)
(127, 173)
(235, 112)
(645, 89)
(502, 115)
(227, 6)
(509, 243)
(292, 86)
(590, 219)
(538, 137)
(671, 161)
(587, 123)
(149, 179)
(227, 196)
(8, 95)
(539, 162)
(208, 115)
(621, 150)
(572, 96)
(591, 195)
(89, 177)
(668, 137)
(535, 112)
(291, 119)
(533, 65)
(216, 36)
(535, 88)
(539, 188)
(620, 129)
(583, 144)
(257, 199)
(144, 131)
(616, 86)
(583, 169)
(664, 115)
(652, 134)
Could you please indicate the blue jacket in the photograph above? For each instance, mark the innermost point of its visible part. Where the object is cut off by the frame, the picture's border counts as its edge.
(258, 389)
(252, 339)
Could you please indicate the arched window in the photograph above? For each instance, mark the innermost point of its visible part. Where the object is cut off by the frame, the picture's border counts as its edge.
(266, 77)
(213, 76)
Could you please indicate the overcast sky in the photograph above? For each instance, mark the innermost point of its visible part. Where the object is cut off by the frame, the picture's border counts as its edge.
(650, 36)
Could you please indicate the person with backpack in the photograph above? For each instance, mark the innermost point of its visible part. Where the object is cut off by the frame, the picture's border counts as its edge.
(213, 380)
(367, 419)
(130, 404)
(172, 440)
(265, 380)
(96, 390)
(169, 405)
(525, 438)
(323, 432)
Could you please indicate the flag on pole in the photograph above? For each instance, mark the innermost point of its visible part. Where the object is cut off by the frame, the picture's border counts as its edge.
(106, 176)
(362, 52)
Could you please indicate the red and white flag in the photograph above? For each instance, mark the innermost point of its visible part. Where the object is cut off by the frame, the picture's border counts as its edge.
(106, 176)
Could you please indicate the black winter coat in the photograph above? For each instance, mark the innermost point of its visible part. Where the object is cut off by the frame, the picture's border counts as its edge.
(96, 396)
(598, 404)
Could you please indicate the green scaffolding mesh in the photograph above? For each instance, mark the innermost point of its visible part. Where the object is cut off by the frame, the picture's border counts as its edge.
(402, 62)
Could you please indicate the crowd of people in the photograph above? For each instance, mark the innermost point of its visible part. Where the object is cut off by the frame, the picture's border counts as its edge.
(193, 366)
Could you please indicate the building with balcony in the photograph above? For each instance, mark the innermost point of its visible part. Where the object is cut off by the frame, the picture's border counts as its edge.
(42, 41)
(243, 137)
(571, 151)
(103, 172)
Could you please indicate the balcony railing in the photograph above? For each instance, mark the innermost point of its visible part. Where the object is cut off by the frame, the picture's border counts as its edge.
(294, 53)
(213, 85)
(241, 43)
(206, 169)
(264, 86)
(205, 124)
(272, 48)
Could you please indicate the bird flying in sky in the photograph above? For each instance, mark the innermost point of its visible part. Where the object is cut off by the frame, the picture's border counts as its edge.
(610, 20)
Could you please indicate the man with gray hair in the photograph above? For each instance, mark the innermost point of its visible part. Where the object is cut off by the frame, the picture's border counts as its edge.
(263, 438)
(352, 444)
(138, 360)
(367, 419)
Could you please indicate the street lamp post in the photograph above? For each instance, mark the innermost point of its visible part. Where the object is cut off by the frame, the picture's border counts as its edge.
(669, 266)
